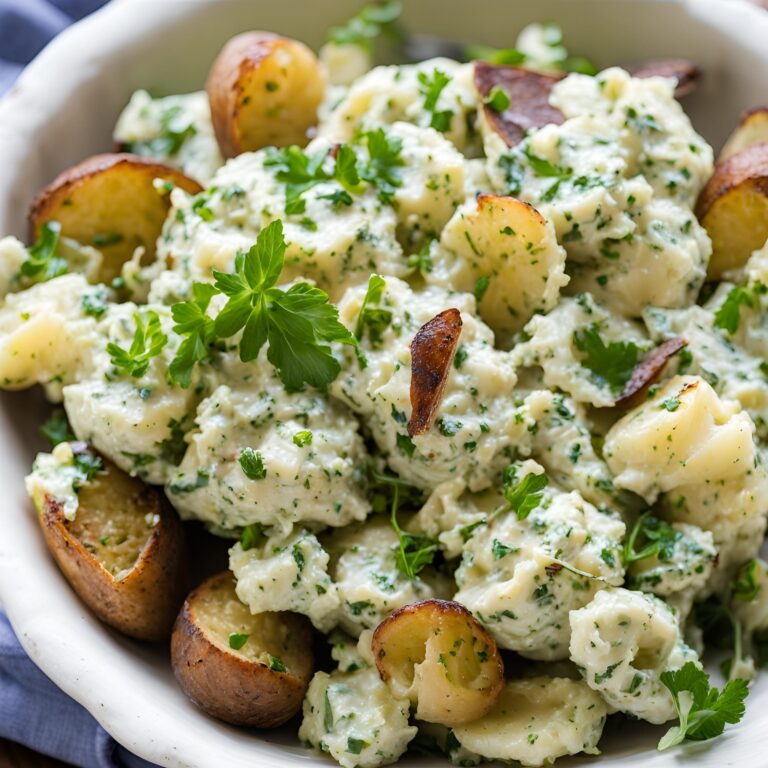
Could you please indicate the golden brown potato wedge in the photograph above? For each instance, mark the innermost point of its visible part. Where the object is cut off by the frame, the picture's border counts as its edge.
(238, 667)
(439, 656)
(432, 351)
(110, 202)
(733, 208)
(124, 553)
(752, 129)
(264, 90)
(528, 93)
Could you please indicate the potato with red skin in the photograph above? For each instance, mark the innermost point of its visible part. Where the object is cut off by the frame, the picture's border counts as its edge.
(110, 202)
(124, 553)
(733, 208)
(239, 667)
(439, 656)
(264, 91)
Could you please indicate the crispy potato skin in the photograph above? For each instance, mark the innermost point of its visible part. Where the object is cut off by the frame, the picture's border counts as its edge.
(144, 603)
(438, 643)
(228, 686)
(752, 129)
(648, 370)
(109, 195)
(733, 208)
(684, 71)
(529, 99)
(264, 90)
(432, 351)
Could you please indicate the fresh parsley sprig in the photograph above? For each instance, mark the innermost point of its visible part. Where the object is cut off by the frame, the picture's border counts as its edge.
(148, 341)
(192, 322)
(703, 711)
(384, 163)
(415, 551)
(658, 540)
(43, 262)
(728, 316)
(296, 322)
(371, 22)
(56, 428)
(298, 171)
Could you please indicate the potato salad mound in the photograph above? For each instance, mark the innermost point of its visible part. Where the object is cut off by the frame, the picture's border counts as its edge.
(435, 352)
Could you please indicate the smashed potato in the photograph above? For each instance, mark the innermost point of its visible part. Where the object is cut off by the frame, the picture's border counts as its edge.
(110, 202)
(238, 667)
(504, 251)
(436, 654)
(123, 552)
(264, 90)
(733, 208)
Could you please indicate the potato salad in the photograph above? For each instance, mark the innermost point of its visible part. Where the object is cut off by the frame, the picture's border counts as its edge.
(436, 347)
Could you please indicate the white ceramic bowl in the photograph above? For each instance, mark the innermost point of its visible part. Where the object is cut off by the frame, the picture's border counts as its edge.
(63, 109)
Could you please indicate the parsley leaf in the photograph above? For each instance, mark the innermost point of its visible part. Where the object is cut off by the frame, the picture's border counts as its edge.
(368, 24)
(275, 663)
(237, 640)
(175, 129)
(56, 428)
(87, 466)
(729, 314)
(345, 169)
(542, 167)
(298, 171)
(295, 322)
(659, 540)
(94, 303)
(252, 536)
(415, 551)
(494, 55)
(430, 89)
(375, 319)
(703, 711)
(43, 263)
(523, 496)
(148, 342)
(613, 363)
(497, 99)
(192, 322)
(384, 163)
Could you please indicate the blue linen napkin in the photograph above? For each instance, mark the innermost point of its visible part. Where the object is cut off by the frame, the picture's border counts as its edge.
(33, 711)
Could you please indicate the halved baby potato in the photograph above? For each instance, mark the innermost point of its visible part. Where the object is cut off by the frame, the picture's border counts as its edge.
(437, 655)
(124, 553)
(264, 90)
(733, 208)
(110, 202)
(752, 129)
(508, 255)
(239, 667)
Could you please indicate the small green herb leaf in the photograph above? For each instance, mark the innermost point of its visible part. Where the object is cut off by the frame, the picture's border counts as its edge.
(252, 464)
(728, 316)
(497, 99)
(148, 342)
(237, 640)
(43, 263)
(612, 363)
(523, 496)
(56, 428)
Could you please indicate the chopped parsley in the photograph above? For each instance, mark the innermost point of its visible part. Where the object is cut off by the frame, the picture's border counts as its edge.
(252, 464)
(237, 640)
(650, 537)
(373, 319)
(728, 316)
(56, 428)
(275, 663)
(497, 99)
(745, 586)
(415, 551)
(372, 21)
(94, 303)
(302, 438)
(192, 322)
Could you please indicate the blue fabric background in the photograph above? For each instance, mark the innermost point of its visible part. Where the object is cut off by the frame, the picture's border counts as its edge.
(33, 711)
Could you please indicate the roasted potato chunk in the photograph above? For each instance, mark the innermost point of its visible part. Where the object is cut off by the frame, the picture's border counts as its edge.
(752, 129)
(239, 667)
(505, 252)
(436, 654)
(123, 553)
(110, 202)
(733, 208)
(264, 90)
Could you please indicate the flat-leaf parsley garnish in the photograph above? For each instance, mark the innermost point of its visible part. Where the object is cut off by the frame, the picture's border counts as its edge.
(192, 322)
(43, 263)
(524, 495)
(703, 711)
(295, 321)
(611, 363)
